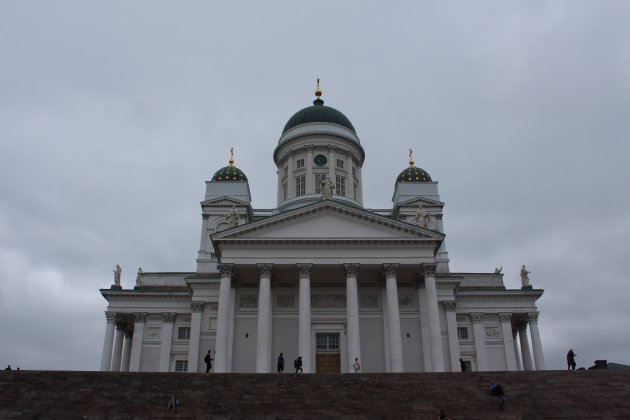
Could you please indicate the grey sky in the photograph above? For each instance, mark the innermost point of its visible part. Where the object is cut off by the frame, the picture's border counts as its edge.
(113, 114)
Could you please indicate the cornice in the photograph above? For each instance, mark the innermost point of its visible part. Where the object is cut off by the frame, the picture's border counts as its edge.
(535, 294)
(131, 294)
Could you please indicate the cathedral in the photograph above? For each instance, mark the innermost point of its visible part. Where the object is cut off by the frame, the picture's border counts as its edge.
(321, 277)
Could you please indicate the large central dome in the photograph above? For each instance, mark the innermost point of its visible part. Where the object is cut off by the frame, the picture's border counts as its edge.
(318, 113)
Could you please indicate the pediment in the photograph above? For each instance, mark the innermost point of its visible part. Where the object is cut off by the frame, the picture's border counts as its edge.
(424, 202)
(224, 202)
(328, 221)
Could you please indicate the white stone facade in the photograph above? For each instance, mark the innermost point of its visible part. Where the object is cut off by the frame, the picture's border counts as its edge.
(325, 279)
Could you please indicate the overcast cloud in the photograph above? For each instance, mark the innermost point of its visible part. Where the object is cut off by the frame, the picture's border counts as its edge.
(113, 114)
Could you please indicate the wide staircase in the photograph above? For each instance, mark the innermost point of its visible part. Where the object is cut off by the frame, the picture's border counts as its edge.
(596, 394)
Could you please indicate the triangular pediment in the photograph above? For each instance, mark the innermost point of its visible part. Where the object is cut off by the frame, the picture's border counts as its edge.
(421, 201)
(224, 202)
(328, 220)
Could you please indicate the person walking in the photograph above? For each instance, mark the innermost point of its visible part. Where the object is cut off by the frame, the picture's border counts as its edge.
(497, 390)
(462, 365)
(297, 364)
(208, 359)
(356, 365)
(571, 360)
(280, 363)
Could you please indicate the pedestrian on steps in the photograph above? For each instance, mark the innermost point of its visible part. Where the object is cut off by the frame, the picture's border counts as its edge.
(571, 360)
(497, 390)
(356, 365)
(280, 363)
(208, 359)
(297, 364)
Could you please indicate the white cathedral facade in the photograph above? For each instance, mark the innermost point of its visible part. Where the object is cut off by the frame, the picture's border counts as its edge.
(322, 277)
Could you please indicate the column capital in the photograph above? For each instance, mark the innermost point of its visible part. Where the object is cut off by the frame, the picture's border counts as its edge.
(121, 325)
(428, 269)
(532, 317)
(110, 316)
(522, 327)
(226, 269)
(351, 269)
(449, 305)
(264, 269)
(390, 269)
(304, 269)
(197, 306)
(140, 316)
(477, 317)
(205, 216)
(168, 316)
(505, 316)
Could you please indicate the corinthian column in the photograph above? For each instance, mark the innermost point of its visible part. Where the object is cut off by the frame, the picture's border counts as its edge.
(536, 343)
(527, 356)
(124, 364)
(195, 334)
(508, 342)
(352, 314)
(304, 333)
(393, 316)
(118, 344)
(106, 357)
(480, 340)
(437, 357)
(136, 341)
(453, 341)
(221, 344)
(166, 339)
(263, 340)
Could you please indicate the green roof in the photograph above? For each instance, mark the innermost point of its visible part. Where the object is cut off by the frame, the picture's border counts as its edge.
(413, 174)
(318, 113)
(229, 173)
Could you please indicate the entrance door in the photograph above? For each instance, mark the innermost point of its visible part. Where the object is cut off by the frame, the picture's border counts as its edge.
(327, 357)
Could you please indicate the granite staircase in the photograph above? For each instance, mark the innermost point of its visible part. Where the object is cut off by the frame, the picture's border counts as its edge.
(597, 394)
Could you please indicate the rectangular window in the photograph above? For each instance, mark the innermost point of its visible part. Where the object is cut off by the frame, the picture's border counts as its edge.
(318, 182)
(181, 365)
(340, 186)
(183, 333)
(300, 163)
(327, 341)
(462, 333)
(300, 186)
(339, 163)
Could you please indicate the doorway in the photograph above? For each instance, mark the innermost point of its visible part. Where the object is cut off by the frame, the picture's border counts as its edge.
(327, 355)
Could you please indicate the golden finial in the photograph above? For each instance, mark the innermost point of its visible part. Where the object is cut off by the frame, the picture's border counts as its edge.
(318, 91)
(231, 162)
(410, 158)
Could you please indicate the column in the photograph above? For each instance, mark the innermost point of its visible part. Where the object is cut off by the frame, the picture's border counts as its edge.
(290, 179)
(221, 343)
(166, 339)
(526, 354)
(332, 164)
(424, 327)
(195, 334)
(480, 340)
(124, 366)
(350, 181)
(106, 357)
(352, 314)
(517, 352)
(453, 341)
(304, 333)
(536, 343)
(118, 343)
(263, 340)
(393, 316)
(136, 343)
(508, 342)
(310, 179)
(437, 357)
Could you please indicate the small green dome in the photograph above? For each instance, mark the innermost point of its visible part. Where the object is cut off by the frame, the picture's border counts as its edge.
(413, 174)
(229, 173)
(318, 113)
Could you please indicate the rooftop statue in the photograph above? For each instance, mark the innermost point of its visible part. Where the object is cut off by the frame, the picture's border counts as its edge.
(525, 276)
(139, 277)
(232, 217)
(327, 189)
(498, 270)
(423, 218)
(117, 272)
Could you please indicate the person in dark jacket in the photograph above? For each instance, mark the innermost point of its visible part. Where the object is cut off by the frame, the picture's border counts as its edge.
(571, 360)
(297, 364)
(497, 390)
(280, 363)
(208, 359)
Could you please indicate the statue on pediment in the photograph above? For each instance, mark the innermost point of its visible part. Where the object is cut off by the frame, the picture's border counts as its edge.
(525, 276)
(327, 188)
(232, 217)
(497, 270)
(117, 273)
(139, 277)
(423, 218)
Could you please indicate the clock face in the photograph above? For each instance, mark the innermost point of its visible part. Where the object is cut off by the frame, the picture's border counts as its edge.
(320, 160)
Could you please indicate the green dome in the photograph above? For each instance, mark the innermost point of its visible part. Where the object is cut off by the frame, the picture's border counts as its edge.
(413, 174)
(229, 173)
(318, 113)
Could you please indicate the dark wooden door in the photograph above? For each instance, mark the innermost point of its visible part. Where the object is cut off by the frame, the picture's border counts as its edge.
(328, 362)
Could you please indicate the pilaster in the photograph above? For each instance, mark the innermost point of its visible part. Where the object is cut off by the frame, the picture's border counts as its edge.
(352, 314)
(304, 326)
(480, 340)
(450, 306)
(223, 316)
